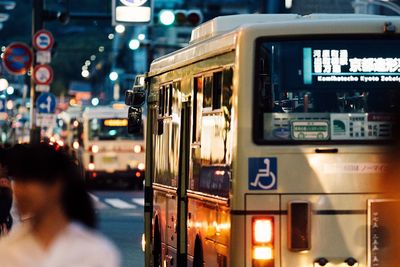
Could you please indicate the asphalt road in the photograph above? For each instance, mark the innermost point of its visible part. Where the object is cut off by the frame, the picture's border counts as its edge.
(120, 216)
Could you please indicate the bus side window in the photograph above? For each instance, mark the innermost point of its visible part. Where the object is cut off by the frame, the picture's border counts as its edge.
(208, 84)
(161, 102)
(227, 88)
(217, 90)
(197, 107)
(176, 89)
(170, 98)
(166, 99)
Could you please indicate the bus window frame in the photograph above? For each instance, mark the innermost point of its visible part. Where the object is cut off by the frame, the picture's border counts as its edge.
(256, 128)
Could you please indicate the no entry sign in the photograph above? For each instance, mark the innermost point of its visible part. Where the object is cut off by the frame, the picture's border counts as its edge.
(43, 74)
(17, 58)
(43, 40)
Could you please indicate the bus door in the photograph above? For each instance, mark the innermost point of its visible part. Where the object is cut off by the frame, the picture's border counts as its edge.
(183, 184)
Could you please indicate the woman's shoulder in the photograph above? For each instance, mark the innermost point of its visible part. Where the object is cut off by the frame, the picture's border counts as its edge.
(17, 234)
(91, 240)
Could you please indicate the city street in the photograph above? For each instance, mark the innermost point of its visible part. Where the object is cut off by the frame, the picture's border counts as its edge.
(120, 216)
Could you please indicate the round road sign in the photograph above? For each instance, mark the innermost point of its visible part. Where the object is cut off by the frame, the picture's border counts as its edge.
(43, 40)
(43, 74)
(17, 58)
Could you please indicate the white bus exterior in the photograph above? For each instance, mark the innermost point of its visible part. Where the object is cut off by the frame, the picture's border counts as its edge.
(110, 153)
(267, 140)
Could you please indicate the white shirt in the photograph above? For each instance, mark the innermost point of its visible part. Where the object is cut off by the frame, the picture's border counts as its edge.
(76, 246)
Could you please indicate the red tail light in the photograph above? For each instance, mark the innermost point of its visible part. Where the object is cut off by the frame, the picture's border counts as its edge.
(262, 241)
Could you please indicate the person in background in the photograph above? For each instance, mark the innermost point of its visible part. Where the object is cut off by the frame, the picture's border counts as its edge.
(5, 198)
(60, 231)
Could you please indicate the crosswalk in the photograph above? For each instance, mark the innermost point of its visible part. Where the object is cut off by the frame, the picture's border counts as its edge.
(117, 203)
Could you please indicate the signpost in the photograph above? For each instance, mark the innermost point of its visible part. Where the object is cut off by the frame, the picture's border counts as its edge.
(43, 74)
(46, 103)
(42, 107)
(131, 11)
(17, 58)
(46, 106)
(43, 40)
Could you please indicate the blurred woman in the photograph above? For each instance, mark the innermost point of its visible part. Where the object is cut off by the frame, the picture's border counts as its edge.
(49, 189)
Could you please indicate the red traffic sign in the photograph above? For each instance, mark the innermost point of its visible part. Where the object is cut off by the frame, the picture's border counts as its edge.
(43, 74)
(43, 40)
(17, 58)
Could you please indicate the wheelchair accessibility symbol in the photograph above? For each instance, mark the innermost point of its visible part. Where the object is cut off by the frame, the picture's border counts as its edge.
(263, 173)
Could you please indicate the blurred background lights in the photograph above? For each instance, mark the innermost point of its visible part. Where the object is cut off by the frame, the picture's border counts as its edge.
(85, 73)
(95, 101)
(10, 90)
(141, 37)
(3, 84)
(120, 28)
(113, 76)
(167, 17)
(134, 44)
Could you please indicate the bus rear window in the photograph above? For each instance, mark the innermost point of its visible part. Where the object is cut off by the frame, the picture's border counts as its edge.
(326, 90)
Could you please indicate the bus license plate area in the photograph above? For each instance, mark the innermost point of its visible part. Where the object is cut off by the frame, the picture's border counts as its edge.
(109, 159)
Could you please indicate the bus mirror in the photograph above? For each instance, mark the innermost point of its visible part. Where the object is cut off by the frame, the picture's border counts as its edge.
(135, 122)
(128, 97)
(135, 98)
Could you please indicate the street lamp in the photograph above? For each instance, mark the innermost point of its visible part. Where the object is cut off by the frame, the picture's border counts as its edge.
(3, 84)
(113, 76)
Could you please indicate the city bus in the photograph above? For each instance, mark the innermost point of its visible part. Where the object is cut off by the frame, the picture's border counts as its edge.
(110, 155)
(266, 142)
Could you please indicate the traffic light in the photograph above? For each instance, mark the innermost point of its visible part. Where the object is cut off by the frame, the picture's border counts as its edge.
(181, 17)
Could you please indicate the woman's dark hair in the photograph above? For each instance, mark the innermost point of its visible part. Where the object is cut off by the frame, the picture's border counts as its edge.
(49, 164)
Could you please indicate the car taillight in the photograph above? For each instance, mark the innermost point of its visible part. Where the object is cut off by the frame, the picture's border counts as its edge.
(262, 241)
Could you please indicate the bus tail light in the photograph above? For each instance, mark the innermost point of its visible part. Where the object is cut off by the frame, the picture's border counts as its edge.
(94, 148)
(137, 148)
(262, 241)
(91, 166)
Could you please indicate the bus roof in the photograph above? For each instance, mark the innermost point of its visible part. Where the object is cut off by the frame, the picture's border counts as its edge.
(219, 35)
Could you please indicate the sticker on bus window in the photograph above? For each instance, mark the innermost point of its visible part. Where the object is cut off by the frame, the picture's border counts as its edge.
(263, 173)
(310, 130)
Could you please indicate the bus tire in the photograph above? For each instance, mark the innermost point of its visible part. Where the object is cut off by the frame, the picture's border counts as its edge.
(157, 244)
(198, 259)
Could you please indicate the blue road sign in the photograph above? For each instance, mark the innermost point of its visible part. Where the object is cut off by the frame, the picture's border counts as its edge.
(263, 173)
(46, 103)
(2, 105)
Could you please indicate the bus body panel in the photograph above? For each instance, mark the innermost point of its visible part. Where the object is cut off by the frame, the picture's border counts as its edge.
(113, 158)
(329, 182)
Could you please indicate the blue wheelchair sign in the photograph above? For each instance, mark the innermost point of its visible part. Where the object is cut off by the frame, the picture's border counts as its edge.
(46, 103)
(263, 173)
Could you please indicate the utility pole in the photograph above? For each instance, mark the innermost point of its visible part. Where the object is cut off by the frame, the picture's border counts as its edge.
(37, 24)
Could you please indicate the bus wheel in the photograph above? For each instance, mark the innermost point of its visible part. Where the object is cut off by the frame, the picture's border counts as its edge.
(198, 260)
(157, 244)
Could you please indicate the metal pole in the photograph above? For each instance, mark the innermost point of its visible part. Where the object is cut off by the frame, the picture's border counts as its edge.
(37, 24)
